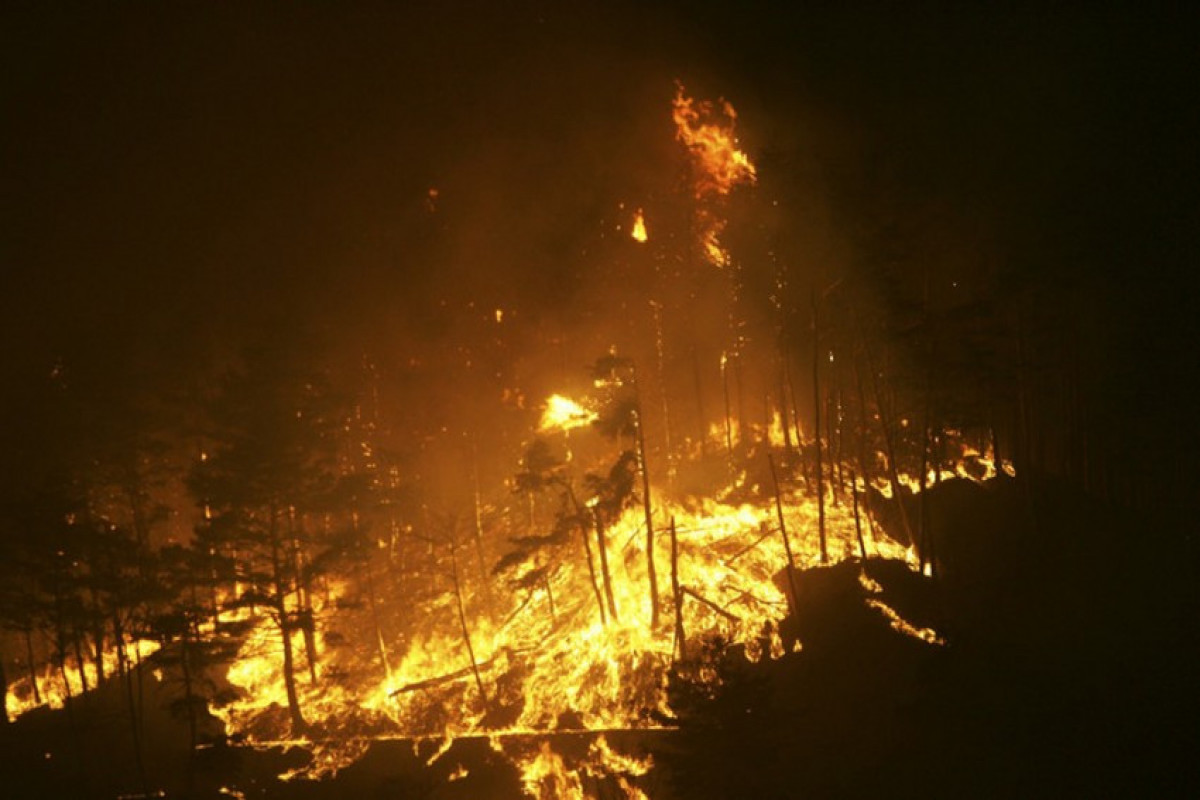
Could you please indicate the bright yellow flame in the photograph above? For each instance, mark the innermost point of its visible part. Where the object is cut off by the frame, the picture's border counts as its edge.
(563, 413)
(639, 227)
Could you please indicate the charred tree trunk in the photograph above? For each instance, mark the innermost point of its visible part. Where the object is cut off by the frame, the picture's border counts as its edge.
(701, 412)
(477, 530)
(131, 704)
(646, 504)
(787, 544)
(889, 446)
(660, 349)
(304, 611)
(4, 689)
(602, 546)
(862, 547)
(833, 448)
(862, 444)
(591, 565)
(677, 597)
(279, 600)
(728, 416)
(783, 412)
(80, 662)
(466, 633)
(30, 665)
(97, 620)
(373, 607)
(816, 375)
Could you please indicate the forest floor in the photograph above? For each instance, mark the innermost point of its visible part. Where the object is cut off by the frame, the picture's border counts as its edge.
(1068, 669)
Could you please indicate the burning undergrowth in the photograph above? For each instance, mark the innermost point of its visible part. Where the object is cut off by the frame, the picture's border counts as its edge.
(558, 636)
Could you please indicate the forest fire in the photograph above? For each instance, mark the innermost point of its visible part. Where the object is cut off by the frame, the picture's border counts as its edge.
(575, 606)
(599, 402)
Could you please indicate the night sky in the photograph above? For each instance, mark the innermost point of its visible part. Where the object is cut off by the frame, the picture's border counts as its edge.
(177, 180)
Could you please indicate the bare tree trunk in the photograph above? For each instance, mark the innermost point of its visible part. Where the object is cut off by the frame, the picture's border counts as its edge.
(189, 696)
(285, 627)
(591, 565)
(305, 616)
(31, 665)
(862, 547)
(131, 705)
(889, 447)
(862, 442)
(833, 448)
(677, 597)
(375, 619)
(702, 414)
(477, 530)
(660, 350)
(783, 411)
(728, 416)
(602, 546)
(4, 691)
(466, 633)
(816, 372)
(787, 545)
(646, 505)
(80, 663)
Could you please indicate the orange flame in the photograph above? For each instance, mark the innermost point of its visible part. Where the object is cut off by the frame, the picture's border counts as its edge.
(706, 129)
(639, 227)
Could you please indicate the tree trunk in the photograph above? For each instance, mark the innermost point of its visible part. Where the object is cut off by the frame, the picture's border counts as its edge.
(862, 547)
(660, 349)
(728, 416)
(641, 445)
(303, 598)
(701, 413)
(787, 545)
(889, 447)
(677, 596)
(862, 442)
(131, 705)
(375, 619)
(816, 373)
(31, 666)
(4, 691)
(602, 546)
(285, 627)
(80, 663)
(466, 633)
(591, 565)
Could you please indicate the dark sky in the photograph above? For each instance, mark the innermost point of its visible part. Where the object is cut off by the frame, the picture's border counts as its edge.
(175, 176)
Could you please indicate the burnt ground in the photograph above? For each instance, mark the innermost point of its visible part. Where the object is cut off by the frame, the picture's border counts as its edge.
(1069, 670)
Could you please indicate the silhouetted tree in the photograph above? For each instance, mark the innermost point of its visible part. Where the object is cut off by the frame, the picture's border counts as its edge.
(274, 439)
